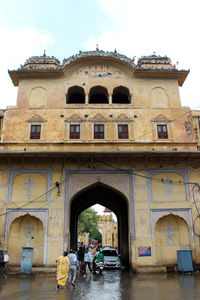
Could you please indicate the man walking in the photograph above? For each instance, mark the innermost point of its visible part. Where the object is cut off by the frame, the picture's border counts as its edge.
(87, 260)
(73, 267)
(80, 255)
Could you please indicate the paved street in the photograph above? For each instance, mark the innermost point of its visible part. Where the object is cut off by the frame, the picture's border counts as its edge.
(111, 285)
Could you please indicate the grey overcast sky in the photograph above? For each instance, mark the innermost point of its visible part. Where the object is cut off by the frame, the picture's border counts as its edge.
(134, 28)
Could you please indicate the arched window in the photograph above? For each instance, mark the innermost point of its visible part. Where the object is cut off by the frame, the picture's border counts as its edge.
(75, 95)
(121, 95)
(98, 94)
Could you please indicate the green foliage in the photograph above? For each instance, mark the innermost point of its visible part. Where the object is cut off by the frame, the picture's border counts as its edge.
(88, 221)
(96, 235)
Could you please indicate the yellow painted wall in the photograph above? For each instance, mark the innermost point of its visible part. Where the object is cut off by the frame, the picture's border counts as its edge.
(149, 215)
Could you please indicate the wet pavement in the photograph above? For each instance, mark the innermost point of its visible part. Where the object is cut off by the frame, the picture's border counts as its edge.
(111, 285)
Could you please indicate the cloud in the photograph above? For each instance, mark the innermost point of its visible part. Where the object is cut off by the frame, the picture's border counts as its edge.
(16, 46)
(139, 28)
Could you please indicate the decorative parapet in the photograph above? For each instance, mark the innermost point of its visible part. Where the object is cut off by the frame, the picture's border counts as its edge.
(145, 66)
(99, 53)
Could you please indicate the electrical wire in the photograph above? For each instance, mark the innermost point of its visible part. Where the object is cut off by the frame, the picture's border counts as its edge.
(110, 165)
(134, 173)
(147, 177)
(40, 196)
(198, 212)
(185, 114)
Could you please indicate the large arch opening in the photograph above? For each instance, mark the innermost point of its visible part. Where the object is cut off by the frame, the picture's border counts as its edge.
(112, 199)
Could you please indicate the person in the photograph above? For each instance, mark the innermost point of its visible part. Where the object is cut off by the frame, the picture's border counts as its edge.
(87, 260)
(97, 258)
(73, 267)
(63, 264)
(80, 254)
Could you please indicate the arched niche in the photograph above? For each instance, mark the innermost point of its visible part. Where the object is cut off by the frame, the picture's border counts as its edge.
(75, 95)
(38, 97)
(171, 234)
(159, 98)
(98, 95)
(121, 95)
(26, 231)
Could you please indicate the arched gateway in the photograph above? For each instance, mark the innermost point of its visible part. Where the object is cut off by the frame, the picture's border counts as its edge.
(100, 193)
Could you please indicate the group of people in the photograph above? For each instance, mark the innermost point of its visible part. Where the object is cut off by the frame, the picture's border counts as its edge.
(67, 265)
(70, 262)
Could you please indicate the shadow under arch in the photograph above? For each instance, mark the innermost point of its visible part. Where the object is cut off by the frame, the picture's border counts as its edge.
(111, 198)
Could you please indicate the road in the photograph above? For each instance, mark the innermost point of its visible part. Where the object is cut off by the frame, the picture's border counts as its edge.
(111, 285)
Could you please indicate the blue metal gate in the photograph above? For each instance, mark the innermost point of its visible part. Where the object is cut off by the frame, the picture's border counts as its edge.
(185, 263)
(26, 260)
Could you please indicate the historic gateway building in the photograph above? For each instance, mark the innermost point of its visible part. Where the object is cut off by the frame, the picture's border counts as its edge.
(99, 128)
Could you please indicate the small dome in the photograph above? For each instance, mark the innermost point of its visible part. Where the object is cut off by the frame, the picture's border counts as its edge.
(154, 62)
(41, 62)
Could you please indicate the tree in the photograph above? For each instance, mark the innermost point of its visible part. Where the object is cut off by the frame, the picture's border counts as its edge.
(96, 235)
(88, 221)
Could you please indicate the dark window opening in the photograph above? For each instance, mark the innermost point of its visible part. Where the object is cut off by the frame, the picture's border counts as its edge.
(162, 131)
(123, 131)
(76, 95)
(98, 95)
(35, 131)
(74, 131)
(121, 95)
(98, 131)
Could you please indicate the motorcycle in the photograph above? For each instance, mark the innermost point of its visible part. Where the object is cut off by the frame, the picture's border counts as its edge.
(98, 267)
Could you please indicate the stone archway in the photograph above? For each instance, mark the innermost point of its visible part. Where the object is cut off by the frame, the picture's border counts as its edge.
(171, 234)
(105, 195)
(26, 231)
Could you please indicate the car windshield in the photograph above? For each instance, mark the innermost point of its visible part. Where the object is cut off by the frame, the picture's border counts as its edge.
(109, 253)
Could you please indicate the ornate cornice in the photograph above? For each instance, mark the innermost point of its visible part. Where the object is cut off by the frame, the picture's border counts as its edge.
(75, 117)
(98, 118)
(160, 118)
(122, 118)
(36, 118)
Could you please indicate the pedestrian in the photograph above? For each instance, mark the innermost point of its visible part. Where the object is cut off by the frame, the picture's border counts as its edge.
(80, 254)
(87, 260)
(63, 264)
(73, 267)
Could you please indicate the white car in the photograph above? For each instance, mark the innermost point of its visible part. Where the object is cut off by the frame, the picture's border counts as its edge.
(111, 258)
